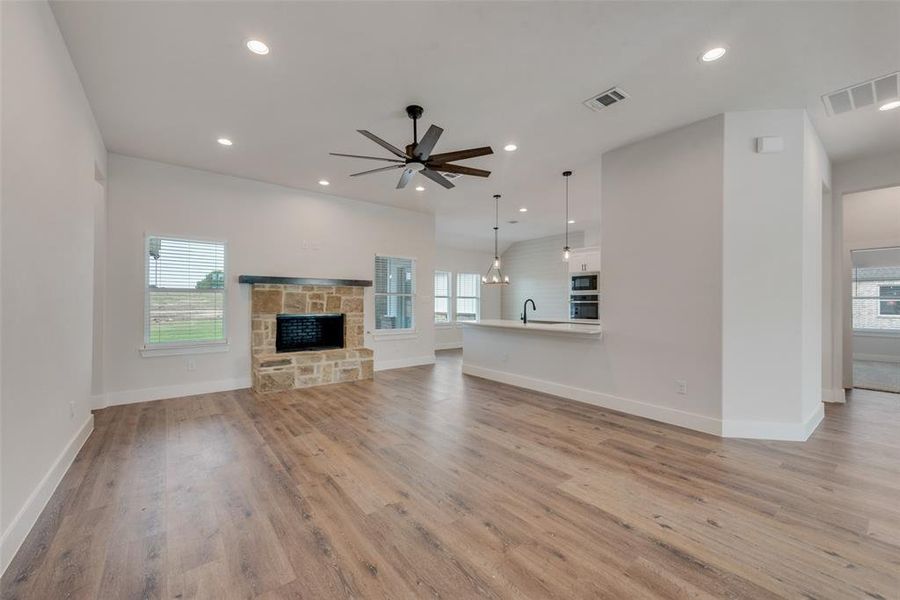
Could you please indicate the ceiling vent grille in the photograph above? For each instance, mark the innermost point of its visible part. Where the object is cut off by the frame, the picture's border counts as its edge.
(862, 95)
(606, 99)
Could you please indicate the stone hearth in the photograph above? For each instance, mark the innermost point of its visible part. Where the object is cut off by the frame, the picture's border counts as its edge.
(276, 371)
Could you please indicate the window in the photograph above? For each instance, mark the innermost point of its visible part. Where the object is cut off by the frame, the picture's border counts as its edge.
(876, 290)
(185, 293)
(889, 296)
(395, 290)
(441, 297)
(468, 290)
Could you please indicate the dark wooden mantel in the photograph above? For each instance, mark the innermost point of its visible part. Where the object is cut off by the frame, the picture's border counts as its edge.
(303, 281)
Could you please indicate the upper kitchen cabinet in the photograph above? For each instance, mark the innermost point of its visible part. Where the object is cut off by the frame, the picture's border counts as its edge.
(584, 260)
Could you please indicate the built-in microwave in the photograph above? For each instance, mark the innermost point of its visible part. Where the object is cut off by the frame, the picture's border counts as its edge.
(587, 282)
(584, 306)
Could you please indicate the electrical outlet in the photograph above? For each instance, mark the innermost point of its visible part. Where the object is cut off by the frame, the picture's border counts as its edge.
(191, 365)
(681, 387)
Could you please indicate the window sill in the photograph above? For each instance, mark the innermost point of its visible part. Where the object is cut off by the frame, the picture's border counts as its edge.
(176, 350)
(886, 333)
(402, 334)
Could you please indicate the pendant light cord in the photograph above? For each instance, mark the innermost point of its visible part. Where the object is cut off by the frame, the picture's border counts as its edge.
(496, 223)
(567, 174)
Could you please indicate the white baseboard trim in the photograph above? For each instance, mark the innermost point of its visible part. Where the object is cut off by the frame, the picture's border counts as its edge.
(173, 391)
(774, 430)
(632, 407)
(891, 358)
(448, 346)
(400, 363)
(837, 396)
(21, 524)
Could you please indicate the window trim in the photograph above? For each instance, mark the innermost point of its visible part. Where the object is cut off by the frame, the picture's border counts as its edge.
(457, 297)
(148, 349)
(407, 332)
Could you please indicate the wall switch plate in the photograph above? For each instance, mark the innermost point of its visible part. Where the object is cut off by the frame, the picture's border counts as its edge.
(191, 365)
(681, 387)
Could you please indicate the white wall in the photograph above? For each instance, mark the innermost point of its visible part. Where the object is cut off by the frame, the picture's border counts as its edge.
(536, 270)
(872, 220)
(865, 173)
(50, 200)
(661, 232)
(772, 265)
(464, 261)
(265, 227)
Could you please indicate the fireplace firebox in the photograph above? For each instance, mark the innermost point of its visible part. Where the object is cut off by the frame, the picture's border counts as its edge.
(296, 333)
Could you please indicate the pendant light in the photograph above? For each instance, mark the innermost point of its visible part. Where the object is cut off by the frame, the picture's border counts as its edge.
(494, 275)
(567, 174)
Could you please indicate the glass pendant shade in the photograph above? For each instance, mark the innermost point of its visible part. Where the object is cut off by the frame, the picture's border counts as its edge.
(494, 275)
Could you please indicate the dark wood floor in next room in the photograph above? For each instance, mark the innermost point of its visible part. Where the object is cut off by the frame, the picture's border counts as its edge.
(427, 484)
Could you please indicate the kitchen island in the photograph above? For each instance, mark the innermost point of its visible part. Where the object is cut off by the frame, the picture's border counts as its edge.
(559, 358)
(572, 360)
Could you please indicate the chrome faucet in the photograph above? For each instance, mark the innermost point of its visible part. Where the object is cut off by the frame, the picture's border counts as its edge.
(525, 310)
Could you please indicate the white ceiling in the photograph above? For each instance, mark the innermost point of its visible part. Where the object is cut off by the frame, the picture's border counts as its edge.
(166, 79)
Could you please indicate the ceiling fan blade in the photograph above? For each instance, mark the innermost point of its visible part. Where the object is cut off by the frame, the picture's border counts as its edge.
(446, 157)
(387, 146)
(437, 178)
(378, 170)
(462, 170)
(426, 145)
(404, 179)
(393, 160)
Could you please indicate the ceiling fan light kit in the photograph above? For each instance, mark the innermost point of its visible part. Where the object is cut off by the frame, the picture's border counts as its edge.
(417, 157)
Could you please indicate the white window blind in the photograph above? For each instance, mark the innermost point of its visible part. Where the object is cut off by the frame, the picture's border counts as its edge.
(441, 297)
(395, 289)
(468, 296)
(185, 293)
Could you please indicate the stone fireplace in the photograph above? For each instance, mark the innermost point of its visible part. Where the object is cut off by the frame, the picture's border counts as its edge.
(306, 332)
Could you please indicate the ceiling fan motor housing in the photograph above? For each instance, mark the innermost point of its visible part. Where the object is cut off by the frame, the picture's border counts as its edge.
(414, 111)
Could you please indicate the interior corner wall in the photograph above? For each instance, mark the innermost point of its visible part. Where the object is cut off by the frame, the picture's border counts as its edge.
(455, 261)
(268, 230)
(536, 270)
(52, 149)
(860, 174)
(661, 227)
(772, 276)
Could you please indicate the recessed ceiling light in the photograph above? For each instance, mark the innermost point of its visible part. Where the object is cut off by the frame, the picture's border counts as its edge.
(523, 209)
(257, 47)
(324, 182)
(510, 147)
(420, 188)
(713, 54)
(890, 105)
(571, 221)
(225, 141)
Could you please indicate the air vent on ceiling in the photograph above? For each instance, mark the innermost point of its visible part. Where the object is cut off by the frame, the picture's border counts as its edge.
(874, 92)
(605, 99)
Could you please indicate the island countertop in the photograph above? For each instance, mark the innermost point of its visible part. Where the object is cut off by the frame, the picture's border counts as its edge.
(570, 328)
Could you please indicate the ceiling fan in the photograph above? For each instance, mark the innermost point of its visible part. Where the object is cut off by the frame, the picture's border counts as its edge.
(418, 158)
